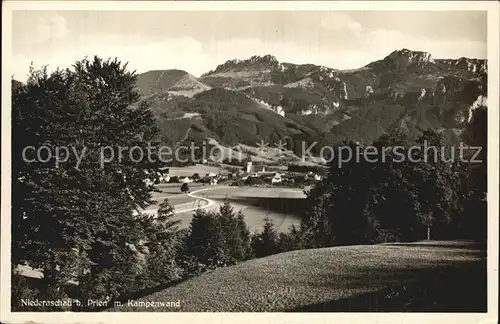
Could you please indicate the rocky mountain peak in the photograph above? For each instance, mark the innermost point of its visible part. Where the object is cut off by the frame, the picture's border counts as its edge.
(471, 65)
(406, 57)
(263, 59)
(403, 58)
(263, 62)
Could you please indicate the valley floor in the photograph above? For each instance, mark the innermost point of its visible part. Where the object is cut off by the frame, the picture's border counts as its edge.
(422, 276)
(282, 205)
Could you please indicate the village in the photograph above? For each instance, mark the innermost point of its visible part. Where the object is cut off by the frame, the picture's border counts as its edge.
(253, 174)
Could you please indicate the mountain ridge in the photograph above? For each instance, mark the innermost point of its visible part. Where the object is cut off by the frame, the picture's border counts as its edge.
(408, 89)
(261, 99)
(171, 80)
(272, 58)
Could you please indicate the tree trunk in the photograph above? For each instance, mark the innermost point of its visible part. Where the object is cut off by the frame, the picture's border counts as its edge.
(428, 232)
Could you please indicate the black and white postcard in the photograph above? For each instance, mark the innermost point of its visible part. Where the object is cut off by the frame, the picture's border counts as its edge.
(251, 161)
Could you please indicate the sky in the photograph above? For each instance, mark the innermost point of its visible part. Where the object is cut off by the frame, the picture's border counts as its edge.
(199, 41)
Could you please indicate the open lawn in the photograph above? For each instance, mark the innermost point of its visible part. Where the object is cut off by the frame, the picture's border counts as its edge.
(422, 276)
(176, 199)
(255, 192)
(168, 189)
(188, 171)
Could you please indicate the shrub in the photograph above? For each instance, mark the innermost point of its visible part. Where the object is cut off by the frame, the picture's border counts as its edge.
(20, 289)
(255, 181)
(306, 168)
(31, 289)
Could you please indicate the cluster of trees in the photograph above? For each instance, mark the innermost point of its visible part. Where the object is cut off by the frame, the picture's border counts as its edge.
(79, 222)
(165, 255)
(220, 239)
(306, 168)
(435, 195)
(216, 239)
(74, 219)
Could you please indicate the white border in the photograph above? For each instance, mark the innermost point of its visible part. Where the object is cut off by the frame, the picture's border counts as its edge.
(493, 160)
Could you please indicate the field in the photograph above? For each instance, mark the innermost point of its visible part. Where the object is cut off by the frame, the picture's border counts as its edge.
(279, 204)
(421, 276)
(188, 171)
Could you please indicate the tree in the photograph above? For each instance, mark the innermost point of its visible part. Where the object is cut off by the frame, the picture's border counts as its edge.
(418, 194)
(216, 240)
(336, 212)
(204, 245)
(315, 224)
(474, 187)
(74, 218)
(266, 242)
(388, 198)
(439, 194)
(291, 240)
(476, 134)
(162, 246)
(233, 241)
(246, 237)
(185, 188)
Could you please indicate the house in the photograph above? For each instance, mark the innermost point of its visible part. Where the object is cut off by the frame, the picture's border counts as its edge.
(185, 180)
(255, 167)
(276, 178)
(311, 109)
(313, 176)
(165, 178)
(279, 110)
(249, 166)
(306, 112)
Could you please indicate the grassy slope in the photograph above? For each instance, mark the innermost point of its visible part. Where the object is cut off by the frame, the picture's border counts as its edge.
(163, 80)
(429, 276)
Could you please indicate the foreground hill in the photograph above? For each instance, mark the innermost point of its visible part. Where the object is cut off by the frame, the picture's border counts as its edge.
(431, 276)
(174, 81)
(246, 101)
